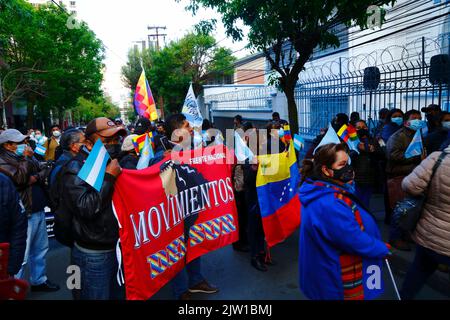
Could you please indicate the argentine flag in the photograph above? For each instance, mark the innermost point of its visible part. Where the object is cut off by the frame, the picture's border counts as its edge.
(93, 170)
(40, 150)
(191, 110)
(415, 148)
(146, 155)
(330, 137)
(299, 142)
(241, 150)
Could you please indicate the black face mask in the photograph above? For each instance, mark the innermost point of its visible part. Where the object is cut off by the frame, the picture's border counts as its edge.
(113, 150)
(363, 133)
(344, 174)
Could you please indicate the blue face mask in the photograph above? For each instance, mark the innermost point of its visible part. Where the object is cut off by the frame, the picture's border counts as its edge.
(20, 149)
(416, 124)
(397, 120)
(446, 125)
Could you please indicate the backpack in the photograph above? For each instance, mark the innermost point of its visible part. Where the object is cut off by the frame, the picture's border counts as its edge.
(63, 219)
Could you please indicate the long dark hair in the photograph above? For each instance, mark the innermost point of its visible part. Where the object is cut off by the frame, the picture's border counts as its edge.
(324, 156)
(391, 112)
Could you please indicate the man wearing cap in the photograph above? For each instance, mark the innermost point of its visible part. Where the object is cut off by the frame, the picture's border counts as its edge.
(128, 158)
(432, 114)
(95, 230)
(16, 161)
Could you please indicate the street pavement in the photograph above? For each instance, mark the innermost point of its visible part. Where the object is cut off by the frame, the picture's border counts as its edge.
(238, 280)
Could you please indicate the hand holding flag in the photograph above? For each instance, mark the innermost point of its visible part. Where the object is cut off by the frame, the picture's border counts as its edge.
(94, 168)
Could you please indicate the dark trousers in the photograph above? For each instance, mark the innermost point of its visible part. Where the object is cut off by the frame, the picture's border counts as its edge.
(255, 230)
(425, 264)
(241, 205)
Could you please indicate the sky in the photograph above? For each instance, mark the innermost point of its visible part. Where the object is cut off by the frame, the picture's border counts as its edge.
(118, 23)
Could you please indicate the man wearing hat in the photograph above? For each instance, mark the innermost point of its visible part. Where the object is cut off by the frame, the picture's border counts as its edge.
(16, 161)
(432, 114)
(128, 158)
(95, 230)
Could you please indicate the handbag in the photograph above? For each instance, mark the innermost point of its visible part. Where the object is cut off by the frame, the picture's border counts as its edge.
(407, 212)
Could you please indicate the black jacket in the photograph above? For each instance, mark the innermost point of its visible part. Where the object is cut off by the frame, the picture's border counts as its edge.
(129, 161)
(434, 140)
(365, 163)
(93, 225)
(13, 224)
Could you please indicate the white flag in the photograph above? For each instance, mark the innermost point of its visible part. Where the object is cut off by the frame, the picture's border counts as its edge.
(191, 110)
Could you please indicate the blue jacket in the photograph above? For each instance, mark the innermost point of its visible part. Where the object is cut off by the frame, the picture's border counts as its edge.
(328, 230)
(13, 223)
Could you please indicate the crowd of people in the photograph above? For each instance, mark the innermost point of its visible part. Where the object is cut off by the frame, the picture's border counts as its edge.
(338, 233)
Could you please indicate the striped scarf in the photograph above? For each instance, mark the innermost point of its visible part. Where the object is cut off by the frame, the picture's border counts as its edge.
(351, 265)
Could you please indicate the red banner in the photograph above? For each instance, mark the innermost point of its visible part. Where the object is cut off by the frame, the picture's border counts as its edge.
(158, 208)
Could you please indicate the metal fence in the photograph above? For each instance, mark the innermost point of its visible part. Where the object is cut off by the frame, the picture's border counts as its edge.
(257, 99)
(404, 84)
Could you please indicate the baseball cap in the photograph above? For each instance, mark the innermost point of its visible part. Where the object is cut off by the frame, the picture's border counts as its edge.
(431, 107)
(104, 127)
(127, 144)
(142, 126)
(12, 135)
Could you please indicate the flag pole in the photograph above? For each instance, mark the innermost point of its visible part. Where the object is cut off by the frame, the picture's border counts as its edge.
(392, 278)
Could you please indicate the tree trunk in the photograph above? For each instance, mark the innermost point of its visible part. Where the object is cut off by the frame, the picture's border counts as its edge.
(292, 109)
(30, 113)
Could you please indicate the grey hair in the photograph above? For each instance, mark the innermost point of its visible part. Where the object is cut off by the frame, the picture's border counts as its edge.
(70, 137)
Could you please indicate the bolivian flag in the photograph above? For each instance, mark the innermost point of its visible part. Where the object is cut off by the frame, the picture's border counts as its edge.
(277, 187)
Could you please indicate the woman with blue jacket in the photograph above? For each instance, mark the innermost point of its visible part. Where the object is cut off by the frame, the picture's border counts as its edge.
(340, 245)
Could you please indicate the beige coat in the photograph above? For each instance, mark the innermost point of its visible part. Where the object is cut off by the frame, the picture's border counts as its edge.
(433, 229)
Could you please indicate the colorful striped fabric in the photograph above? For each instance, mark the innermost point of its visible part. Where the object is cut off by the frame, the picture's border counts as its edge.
(139, 142)
(143, 99)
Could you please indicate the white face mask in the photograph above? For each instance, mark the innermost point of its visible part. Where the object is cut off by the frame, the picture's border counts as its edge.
(446, 125)
(56, 134)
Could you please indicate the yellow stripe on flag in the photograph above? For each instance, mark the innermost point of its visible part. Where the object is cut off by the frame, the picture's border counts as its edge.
(275, 167)
(342, 129)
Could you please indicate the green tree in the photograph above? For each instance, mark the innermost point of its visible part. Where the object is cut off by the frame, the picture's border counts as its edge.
(87, 110)
(50, 63)
(303, 24)
(169, 71)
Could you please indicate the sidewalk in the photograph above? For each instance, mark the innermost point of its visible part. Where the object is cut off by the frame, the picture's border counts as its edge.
(401, 260)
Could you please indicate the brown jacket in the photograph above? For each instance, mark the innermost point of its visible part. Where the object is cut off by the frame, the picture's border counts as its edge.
(51, 144)
(397, 165)
(433, 229)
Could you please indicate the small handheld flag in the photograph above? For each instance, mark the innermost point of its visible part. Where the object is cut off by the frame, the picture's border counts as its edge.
(299, 142)
(330, 137)
(286, 138)
(415, 148)
(241, 150)
(146, 155)
(191, 110)
(40, 150)
(143, 99)
(349, 135)
(139, 142)
(93, 170)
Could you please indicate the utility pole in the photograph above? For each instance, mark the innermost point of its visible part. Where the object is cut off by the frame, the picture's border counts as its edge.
(157, 35)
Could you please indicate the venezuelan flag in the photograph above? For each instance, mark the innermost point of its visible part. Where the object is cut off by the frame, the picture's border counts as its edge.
(287, 137)
(139, 142)
(343, 133)
(143, 99)
(277, 187)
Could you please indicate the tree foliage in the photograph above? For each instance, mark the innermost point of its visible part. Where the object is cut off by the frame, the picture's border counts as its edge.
(194, 58)
(86, 110)
(303, 24)
(48, 63)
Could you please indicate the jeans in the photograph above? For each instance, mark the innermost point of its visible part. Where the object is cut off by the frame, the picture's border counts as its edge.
(36, 250)
(425, 264)
(187, 278)
(98, 275)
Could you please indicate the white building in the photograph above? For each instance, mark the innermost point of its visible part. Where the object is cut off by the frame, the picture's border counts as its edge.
(70, 5)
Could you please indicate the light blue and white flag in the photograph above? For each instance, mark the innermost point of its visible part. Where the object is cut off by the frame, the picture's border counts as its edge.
(191, 110)
(330, 137)
(146, 155)
(415, 148)
(299, 142)
(40, 150)
(93, 170)
(241, 150)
